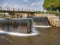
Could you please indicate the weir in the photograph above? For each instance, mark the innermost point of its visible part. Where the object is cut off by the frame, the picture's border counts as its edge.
(41, 22)
(20, 25)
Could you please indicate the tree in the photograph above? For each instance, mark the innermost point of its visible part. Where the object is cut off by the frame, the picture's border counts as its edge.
(52, 5)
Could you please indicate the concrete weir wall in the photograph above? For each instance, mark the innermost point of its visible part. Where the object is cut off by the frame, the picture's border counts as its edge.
(54, 20)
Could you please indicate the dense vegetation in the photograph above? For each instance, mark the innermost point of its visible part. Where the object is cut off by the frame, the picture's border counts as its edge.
(52, 5)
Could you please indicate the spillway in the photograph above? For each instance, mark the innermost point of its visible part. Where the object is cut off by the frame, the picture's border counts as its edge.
(41, 22)
(17, 26)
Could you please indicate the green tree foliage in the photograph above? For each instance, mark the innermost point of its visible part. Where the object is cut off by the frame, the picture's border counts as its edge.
(52, 5)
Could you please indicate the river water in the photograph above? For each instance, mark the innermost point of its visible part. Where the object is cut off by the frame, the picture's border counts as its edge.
(48, 36)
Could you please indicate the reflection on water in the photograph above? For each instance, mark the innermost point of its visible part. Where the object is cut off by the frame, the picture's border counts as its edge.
(50, 36)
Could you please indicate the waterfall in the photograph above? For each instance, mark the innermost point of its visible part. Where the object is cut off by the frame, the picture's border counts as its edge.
(17, 26)
(23, 25)
(41, 22)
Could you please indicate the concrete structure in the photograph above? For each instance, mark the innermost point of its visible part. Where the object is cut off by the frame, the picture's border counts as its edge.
(54, 20)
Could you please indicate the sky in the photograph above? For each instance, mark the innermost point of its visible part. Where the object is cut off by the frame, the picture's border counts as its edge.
(23, 4)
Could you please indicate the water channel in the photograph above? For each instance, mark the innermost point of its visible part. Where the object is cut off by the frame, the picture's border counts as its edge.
(46, 36)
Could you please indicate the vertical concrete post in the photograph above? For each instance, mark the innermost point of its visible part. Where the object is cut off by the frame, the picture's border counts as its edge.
(29, 26)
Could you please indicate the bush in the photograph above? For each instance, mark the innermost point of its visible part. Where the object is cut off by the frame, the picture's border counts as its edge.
(54, 12)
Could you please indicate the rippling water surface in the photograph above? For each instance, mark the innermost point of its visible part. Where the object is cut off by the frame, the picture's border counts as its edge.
(50, 36)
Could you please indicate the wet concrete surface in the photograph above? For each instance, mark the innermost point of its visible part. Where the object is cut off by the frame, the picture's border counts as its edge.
(47, 36)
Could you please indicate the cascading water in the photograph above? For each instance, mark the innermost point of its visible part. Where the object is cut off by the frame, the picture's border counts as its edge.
(41, 22)
(17, 26)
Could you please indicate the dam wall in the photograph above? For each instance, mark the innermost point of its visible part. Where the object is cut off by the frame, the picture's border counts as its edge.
(54, 21)
(18, 25)
(42, 21)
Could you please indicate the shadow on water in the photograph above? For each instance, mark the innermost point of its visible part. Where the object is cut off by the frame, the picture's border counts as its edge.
(48, 36)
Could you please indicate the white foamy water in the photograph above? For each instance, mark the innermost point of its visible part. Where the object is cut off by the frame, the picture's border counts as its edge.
(33, 33)
(42, 26)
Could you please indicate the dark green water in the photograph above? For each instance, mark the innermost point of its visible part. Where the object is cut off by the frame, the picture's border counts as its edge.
(50, 36)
